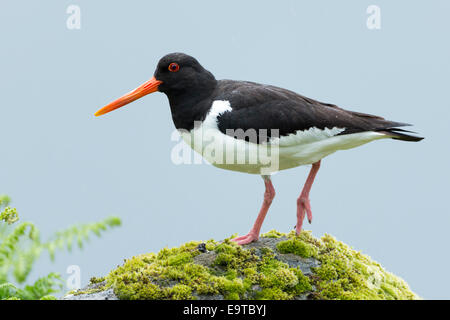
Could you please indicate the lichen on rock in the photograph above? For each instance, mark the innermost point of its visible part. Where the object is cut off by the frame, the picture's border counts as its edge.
(278, 266)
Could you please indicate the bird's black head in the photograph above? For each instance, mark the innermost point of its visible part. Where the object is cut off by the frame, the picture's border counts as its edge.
(179, 76)
(181, 73)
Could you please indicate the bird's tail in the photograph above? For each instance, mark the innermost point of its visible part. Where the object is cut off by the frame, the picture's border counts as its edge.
(400, 134)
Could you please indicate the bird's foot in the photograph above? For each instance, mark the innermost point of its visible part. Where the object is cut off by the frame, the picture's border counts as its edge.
(303, 208)
(248, 238)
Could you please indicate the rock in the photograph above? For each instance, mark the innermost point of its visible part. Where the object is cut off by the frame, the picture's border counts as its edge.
(93, 291)
(278, 266)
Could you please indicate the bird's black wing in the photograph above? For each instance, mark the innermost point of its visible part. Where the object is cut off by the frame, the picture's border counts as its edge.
(256, 106)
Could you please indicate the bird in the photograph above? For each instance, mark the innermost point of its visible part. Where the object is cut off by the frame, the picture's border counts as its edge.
(257, 128)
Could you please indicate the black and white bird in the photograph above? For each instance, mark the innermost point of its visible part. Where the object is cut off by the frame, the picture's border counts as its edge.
(256, 128)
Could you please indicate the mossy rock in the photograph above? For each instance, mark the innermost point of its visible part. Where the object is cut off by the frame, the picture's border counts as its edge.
(278, 266)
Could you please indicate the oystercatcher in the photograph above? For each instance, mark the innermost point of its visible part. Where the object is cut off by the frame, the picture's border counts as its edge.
(256, 128)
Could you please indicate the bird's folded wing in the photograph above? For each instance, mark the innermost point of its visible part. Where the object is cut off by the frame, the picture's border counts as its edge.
(264, 108)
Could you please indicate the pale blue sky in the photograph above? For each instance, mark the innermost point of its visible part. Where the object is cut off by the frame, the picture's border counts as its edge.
(61, 165)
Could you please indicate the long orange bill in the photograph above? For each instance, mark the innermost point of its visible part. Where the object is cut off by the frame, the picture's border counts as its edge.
(146, 88)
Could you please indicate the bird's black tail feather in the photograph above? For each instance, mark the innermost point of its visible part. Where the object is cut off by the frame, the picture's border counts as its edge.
(400, 134)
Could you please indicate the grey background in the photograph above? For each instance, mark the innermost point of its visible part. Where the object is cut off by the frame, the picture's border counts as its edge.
(61, 165)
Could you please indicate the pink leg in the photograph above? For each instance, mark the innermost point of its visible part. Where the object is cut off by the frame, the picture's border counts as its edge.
(253, 235)
(303, 205)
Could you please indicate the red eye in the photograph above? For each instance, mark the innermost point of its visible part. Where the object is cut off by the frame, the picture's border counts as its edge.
(174, 67)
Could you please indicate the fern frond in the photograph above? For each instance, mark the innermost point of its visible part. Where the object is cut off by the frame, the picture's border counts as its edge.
(21, 246)
(7, 290)
(80, 233)
(23, 263)
(43, 287)
(10, 243)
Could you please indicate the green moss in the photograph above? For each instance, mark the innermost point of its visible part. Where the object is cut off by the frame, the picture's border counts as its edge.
(272, 234)
(95, 280)
(272, 294)
(303, 284)
(298, 247)
(259, 272)
(179, 259)
(224, 259)
(95, 285)
(89, 291)
(347, 274)
(280, 278)
(180, 292)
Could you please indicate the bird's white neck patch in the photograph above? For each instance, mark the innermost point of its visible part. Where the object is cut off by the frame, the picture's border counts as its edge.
(217, 108)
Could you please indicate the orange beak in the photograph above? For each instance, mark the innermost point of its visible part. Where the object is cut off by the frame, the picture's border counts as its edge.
(146, 88)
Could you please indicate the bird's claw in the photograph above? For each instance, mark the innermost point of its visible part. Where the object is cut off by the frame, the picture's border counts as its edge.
(248, 238)
(303, 208)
